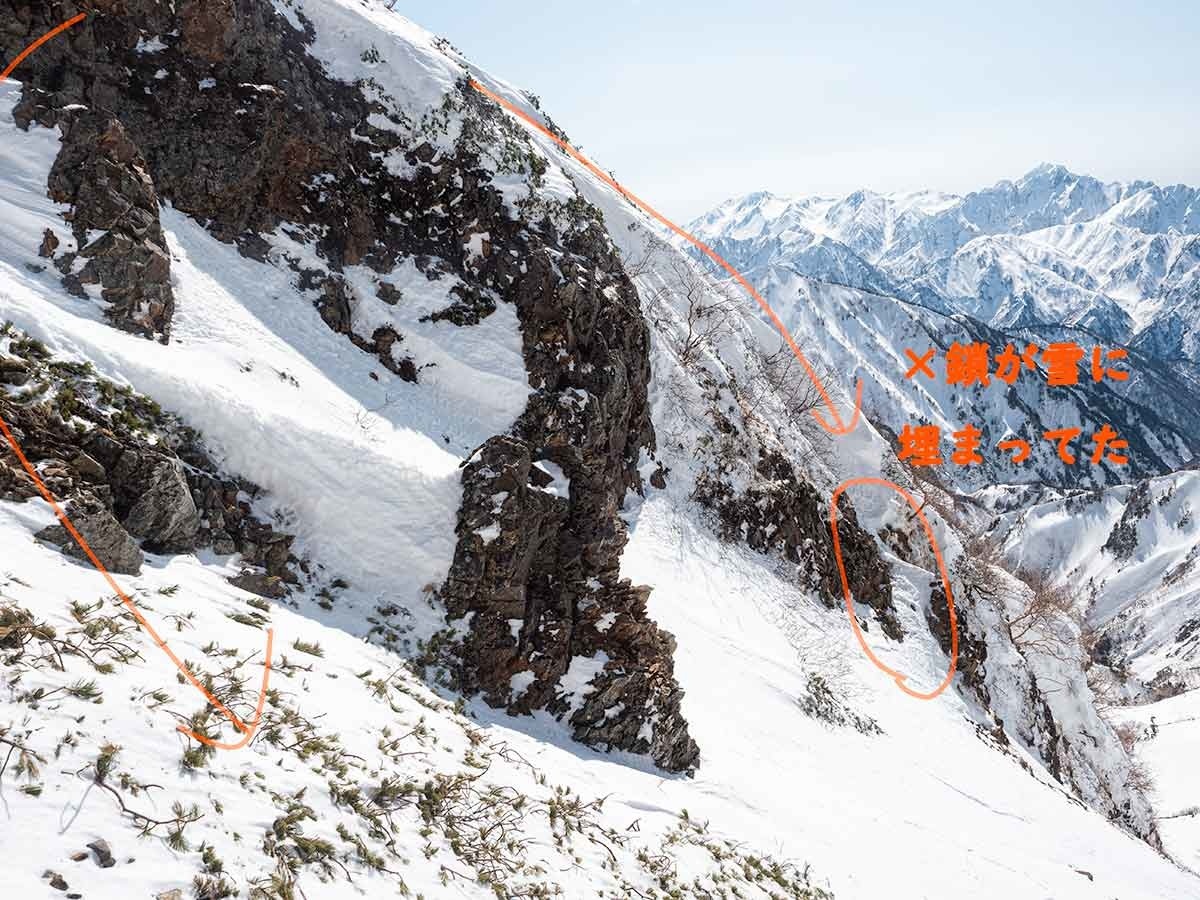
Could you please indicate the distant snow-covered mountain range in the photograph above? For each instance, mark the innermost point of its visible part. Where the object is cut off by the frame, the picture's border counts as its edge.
(1121, 260)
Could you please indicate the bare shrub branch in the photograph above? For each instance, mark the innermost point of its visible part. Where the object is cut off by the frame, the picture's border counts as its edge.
(1048, 619)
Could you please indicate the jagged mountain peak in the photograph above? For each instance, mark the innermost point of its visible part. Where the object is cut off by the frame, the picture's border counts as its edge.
(1065, 247)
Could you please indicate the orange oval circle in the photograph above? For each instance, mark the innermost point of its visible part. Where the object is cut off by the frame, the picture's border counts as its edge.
(898, 677)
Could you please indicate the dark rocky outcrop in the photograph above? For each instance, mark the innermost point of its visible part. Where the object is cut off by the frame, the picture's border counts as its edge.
(116, 550)
(260, 583)
(537, 565)
(272, 141)
(971, 664)
(781, 513)
(152, 495)
(1123, 539)
(127, 471)
(101, 173)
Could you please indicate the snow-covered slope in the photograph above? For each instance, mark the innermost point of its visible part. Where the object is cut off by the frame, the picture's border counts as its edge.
(1051, 257)
(1128, 556)
(1167, 733)
(1131, 552)
(365, 781)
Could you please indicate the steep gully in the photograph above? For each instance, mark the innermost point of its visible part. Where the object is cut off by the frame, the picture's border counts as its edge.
(839, 427)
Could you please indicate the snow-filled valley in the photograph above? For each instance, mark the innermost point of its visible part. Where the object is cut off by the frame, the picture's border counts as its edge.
(345, 396)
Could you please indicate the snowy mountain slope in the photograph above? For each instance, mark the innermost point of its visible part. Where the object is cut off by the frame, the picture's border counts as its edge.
(1168, 746)
(360, 781)
(1129, 554)
(364, 476)
(903, 233)
(365, 480)
(1129, 264)
(750, 685)
(1053, 257)
(225, 373)
(1172, 335)
(1131, 551)
(735, 357)
(1007, 283)
(808, 770)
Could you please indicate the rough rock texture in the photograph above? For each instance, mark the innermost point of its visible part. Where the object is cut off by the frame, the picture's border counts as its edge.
(1123, 538)
(243, 155)
(104, 856)
(258, 583)
(272, 141)
(90, 443)
(102, 175)
(537, 563)
(116, 550)
(782, 513)
(160, 507)
(13, 372)
(972, 647)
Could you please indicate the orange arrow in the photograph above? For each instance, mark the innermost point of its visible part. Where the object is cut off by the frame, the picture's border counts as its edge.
(839, 425)
(246, 728)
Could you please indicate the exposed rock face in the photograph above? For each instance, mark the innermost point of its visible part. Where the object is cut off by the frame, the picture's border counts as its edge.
(111, 543)
(90, 446)
(972, 646)
(162, 508)
(239, 154)
(258, 583)
(102, 175)
(538, 558)
(1123, 538)
(272, 140)
(13, 371)
(783, 514)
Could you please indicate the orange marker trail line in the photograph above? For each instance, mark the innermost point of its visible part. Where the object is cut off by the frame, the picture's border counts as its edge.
(839, 425)
(898, 677)
(247, 728)
(53, 33)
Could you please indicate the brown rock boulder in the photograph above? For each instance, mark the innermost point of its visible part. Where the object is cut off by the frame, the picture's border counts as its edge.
(111, 543)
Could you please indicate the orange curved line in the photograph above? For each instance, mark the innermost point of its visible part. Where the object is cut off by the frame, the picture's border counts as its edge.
(131, 606)
(858, 390)
(839, 425)
(247, 728)
(898, 677)
(53, 33)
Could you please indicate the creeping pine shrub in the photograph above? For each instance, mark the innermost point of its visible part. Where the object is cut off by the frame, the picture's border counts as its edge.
(312, 648)
(820, 703)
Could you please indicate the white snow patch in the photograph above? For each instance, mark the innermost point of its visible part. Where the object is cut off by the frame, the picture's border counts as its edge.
(153, 45)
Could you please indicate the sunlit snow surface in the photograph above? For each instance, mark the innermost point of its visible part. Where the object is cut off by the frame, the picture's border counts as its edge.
(367, 473)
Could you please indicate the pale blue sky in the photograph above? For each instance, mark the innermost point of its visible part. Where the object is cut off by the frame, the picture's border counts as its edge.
(690, 103)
